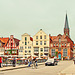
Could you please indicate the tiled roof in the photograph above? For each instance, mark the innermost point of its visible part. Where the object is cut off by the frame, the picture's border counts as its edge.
(31, 38)
(4, 40)
(16, 41)
(53, 37)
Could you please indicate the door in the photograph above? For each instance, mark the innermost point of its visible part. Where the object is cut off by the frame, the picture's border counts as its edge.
(59, 55)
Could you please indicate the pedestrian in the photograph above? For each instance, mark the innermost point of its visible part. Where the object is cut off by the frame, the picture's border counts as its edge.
(34, 65)
(25, 61)
(29, 61)
(0, 61)
(14, 62)
(36, 62)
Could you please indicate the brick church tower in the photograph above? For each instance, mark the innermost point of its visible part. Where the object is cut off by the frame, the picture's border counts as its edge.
(66, 28)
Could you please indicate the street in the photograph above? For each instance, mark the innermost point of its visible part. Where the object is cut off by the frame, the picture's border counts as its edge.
(41, 70)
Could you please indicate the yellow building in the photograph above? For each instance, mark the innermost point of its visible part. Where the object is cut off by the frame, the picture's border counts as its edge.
(25, 46)
(41, 44)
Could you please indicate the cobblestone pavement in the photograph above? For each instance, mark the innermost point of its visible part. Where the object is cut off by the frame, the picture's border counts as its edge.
(41, 70)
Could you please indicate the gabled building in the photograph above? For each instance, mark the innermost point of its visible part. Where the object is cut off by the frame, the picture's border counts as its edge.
(3, 42)
(41, 44)
(62, 45)
(26, 46)
(12, 46)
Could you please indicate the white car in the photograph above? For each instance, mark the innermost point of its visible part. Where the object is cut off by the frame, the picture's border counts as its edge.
(51, 61)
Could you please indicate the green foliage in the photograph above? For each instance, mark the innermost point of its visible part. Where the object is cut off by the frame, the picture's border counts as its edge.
(64, 57)
(56, 53)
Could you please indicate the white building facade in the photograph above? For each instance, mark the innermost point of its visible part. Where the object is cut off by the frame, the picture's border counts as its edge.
(41, 44)
(25, 46)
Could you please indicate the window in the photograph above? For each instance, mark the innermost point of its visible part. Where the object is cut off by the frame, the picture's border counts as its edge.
(53, 52)
(36, 42)
(25, 51)
(59, 40)
(36, 37)
(25, 47)
(21, 50)
(12, 51)
(45, 49)
(9, 52)
(29, 51)
(59, 50)
(5, 51)
(36, 49)
(41, 54)
(54, 44)
(40, 42)
(62, 44)
(59, 45)
(28, 47)
(25, 38)
(65, 44)
(25, 43)
(21, 47)
(41, 49)
(40, 37)
(45, 37)
(15, 52)
(44, 42)
(64, 52)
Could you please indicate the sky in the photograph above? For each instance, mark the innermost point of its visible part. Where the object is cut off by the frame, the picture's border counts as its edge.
(29, 16)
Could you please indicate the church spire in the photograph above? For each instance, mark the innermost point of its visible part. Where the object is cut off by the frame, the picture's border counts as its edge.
(66, 28)
(66, 23)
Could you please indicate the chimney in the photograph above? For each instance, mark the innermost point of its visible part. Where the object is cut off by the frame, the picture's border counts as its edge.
(11, 36)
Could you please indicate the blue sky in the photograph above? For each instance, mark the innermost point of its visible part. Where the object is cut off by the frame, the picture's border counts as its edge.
(29, 16)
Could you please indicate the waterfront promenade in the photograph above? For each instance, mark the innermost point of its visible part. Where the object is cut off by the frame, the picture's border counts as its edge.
(41, 69)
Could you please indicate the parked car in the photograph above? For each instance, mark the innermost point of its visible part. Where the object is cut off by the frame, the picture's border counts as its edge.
(51, 61)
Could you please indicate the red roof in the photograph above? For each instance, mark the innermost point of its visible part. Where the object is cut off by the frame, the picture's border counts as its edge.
(53, 37)
(16, 41)
(31, 38)
(4, 40)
